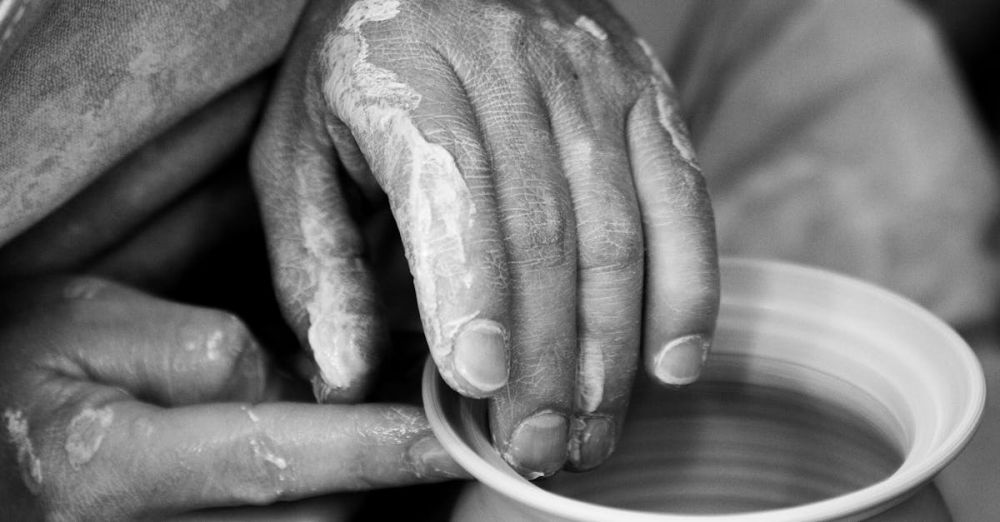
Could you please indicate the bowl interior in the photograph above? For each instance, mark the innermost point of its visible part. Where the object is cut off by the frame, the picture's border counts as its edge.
(824, 397)
(723, 446)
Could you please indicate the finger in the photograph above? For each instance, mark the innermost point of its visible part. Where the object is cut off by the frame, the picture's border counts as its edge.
(591, 136)
(163, 352)
(419, 135)
(682, 277)
(530, 419)
(125, 459)
(323, 282)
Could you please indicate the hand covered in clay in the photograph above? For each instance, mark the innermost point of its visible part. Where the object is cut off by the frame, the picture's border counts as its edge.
(121, 406)
(551, 208)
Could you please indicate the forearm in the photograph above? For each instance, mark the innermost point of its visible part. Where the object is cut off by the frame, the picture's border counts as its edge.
(95, 80)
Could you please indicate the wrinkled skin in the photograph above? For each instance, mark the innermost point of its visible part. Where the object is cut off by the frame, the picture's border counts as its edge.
(531, 155)
(799, 156)
(119, 405)
(536, 194)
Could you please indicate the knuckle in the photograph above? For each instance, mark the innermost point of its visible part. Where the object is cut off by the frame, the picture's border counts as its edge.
(538, 230)
(612, 238)
(616, 247)
(613, 327)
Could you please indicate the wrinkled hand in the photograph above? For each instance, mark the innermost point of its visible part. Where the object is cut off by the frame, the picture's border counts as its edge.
(117, 405)
(546, 194)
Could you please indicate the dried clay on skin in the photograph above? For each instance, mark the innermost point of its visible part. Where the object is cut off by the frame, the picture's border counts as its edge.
(85, 434)
(266, 460)
(590, 391)
(262, 451)
(591, 28)
(250, 414)
(436, 207)
(333, 324)
(670, 117)
(590, 365)
(212, 345)
(17, 432)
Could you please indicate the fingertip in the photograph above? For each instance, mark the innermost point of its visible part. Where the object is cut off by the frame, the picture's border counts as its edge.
(592, 442)
(680, 361)
(323, 391)
(430, 460)
(328, 394)
(480, 358)
(539, 445)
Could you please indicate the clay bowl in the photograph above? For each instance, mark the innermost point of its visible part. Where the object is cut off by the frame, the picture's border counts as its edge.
(825, 398)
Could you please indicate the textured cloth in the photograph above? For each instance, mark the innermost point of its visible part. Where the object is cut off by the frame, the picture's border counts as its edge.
(95, 79)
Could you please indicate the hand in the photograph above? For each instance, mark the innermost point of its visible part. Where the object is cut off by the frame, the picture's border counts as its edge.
(548, 199)
(117, 405)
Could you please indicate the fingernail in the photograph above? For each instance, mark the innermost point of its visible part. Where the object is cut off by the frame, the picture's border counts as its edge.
(480, 356)
(430, 460)
(326, 394)
(539, 444)
(592, 445)
(681, 360)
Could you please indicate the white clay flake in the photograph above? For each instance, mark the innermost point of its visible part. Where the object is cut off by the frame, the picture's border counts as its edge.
(31, 467)
(591, 27)
(670, 117)
(85, 434)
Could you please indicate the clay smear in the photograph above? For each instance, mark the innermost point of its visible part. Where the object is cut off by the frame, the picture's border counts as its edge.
(17, 432)
(670, 117)
(267, 460)
(250, 414)
(590, 364)
(212, 345)
(434, 207)
(591, 28)
(85, 434)
(590, 379)
(264, 453)
(332, 324)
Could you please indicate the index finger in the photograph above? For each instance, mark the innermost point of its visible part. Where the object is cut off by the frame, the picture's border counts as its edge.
(138, 460)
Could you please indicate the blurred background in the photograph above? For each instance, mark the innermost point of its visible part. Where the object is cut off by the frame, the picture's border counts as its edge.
(972, 30)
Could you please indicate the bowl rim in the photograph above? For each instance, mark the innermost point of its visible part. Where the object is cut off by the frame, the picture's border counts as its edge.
(892, 489)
